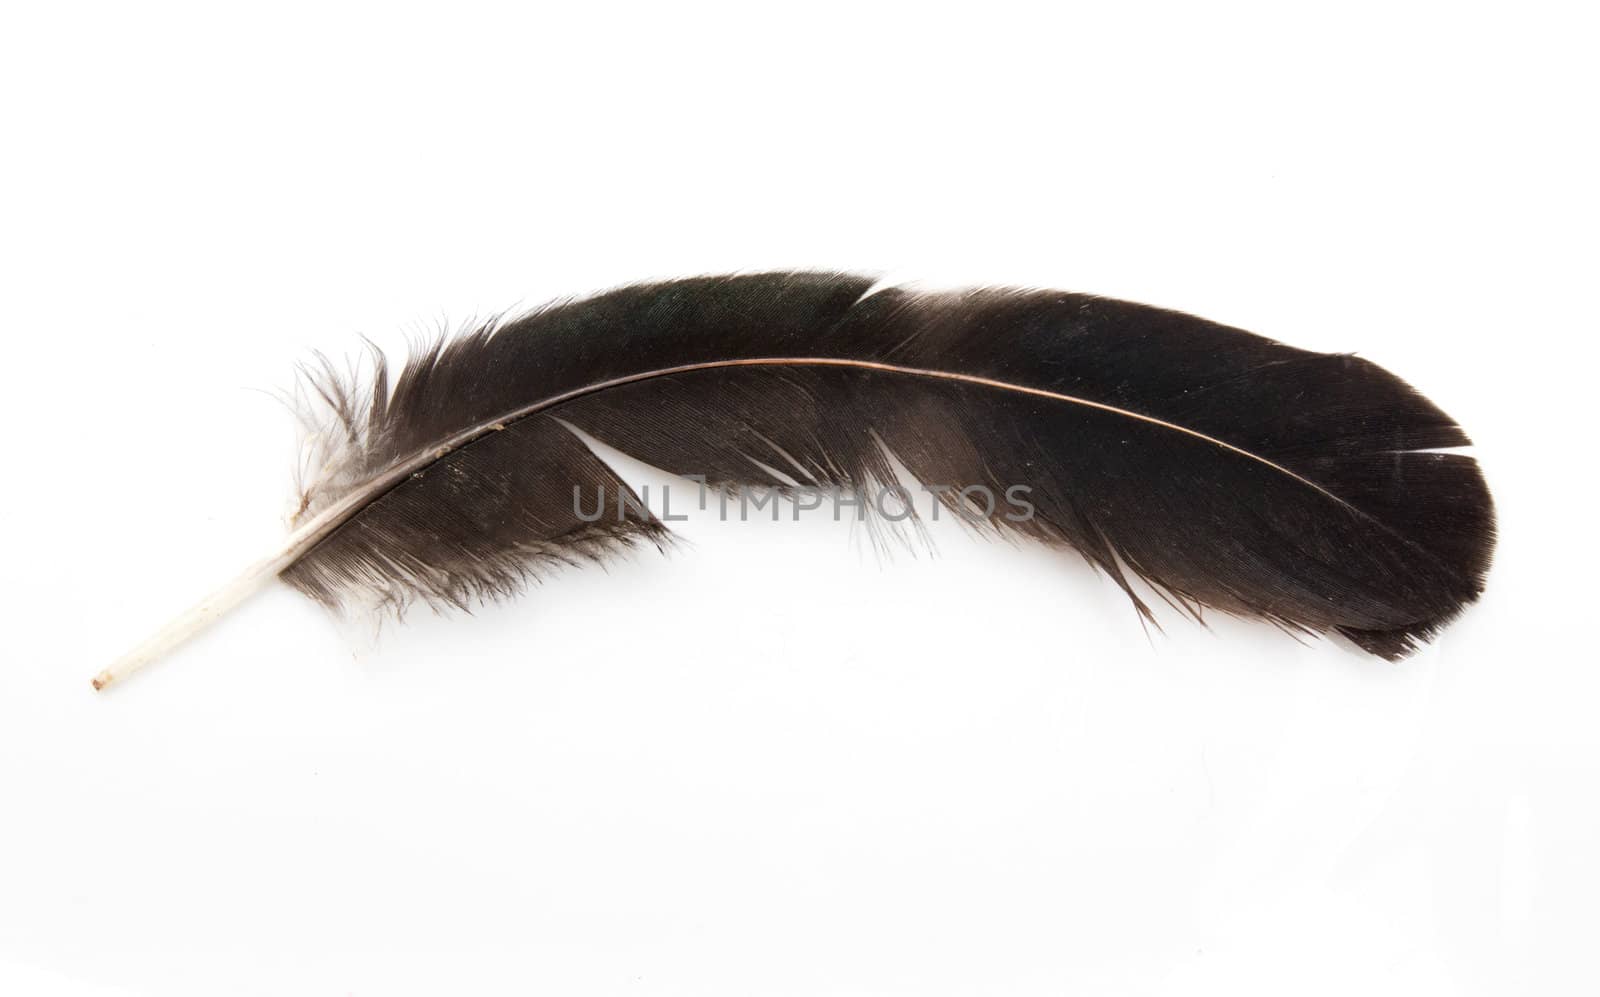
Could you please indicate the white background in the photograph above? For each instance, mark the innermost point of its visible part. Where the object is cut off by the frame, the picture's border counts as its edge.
(772, 763)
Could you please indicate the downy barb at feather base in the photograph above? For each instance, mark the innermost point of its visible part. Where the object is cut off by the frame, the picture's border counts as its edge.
(1226, 470)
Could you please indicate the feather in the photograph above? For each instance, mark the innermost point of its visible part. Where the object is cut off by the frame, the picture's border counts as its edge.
(1225, 470)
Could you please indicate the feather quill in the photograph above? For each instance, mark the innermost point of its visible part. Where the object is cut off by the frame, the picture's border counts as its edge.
(1226, 470)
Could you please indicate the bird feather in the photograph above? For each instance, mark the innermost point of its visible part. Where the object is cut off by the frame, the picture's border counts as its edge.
(1225, 470)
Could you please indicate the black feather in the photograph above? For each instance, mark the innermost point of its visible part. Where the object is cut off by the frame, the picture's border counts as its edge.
(1226, 470)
